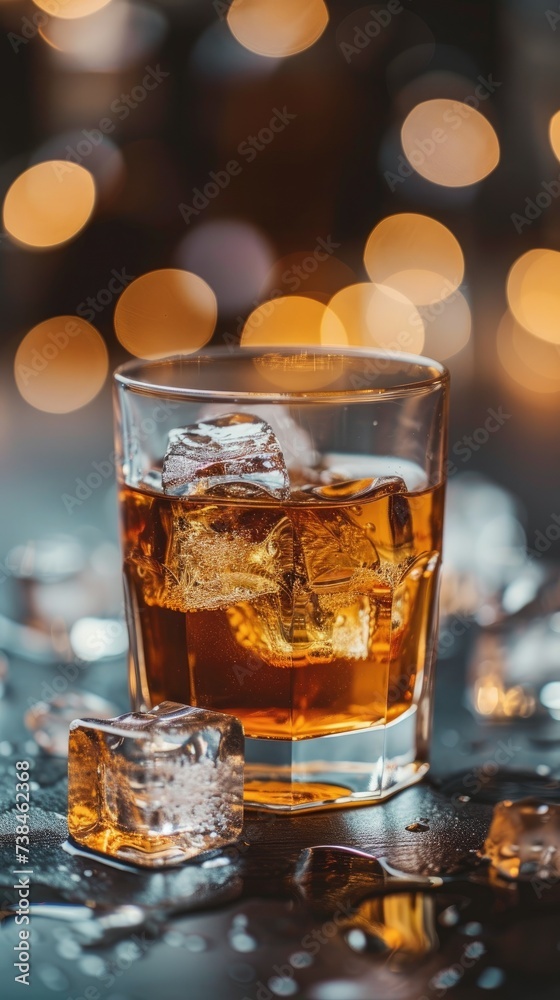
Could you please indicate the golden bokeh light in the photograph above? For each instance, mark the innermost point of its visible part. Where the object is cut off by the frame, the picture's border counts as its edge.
(105, 161)
(449, 143)
(114, 37)
(531, 362)
(70, 8)
(165, 312)
(49, 203)
(293, 320)
(61, 364)
(448, 326)
(377, 316)
(554, 134)
(275, 29)
(533, 293)
(416, 255)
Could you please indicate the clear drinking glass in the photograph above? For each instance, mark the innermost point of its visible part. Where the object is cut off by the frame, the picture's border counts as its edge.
(309, 612)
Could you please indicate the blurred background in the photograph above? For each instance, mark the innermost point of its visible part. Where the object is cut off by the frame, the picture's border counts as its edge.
(189, 172)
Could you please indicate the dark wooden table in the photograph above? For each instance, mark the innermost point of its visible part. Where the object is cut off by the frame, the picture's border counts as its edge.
(268, 920)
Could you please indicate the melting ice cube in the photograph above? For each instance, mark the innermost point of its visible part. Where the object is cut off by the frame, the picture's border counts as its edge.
(156, 788)
(524, 839)
(236, 454)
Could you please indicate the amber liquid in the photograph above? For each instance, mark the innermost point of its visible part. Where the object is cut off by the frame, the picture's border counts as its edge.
(303, 619)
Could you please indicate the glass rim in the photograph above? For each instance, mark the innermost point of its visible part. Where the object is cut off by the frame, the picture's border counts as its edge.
(128, 375)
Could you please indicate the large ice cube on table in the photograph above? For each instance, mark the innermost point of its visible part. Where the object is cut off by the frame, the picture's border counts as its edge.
(237, 454)
(156, 788)
(524, 839)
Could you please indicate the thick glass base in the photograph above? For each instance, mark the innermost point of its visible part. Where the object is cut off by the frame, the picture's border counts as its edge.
(357, 768)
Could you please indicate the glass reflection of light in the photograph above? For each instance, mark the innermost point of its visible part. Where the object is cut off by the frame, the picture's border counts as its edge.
(403, 922)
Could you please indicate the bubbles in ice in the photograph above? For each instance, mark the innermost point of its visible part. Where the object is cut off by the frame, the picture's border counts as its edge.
(158, 787)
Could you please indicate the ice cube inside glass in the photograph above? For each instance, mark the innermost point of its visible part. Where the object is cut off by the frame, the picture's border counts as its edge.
(156, 788)
(281, 560)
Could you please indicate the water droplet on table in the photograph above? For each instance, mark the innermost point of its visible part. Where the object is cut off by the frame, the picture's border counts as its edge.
(491, 978)
(241, 972)
(449, 917)
(472, 929)
(53, 978)
(240, 941)
(195, 943)
(68, 948)
(301, 959)
(356, 939)
(92, 965)
(283, 986)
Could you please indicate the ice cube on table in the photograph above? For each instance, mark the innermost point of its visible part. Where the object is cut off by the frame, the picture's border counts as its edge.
(524, 840)
(236, 454)
(156, 788)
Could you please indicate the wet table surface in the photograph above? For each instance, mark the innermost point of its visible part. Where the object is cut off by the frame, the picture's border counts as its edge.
(268, 919)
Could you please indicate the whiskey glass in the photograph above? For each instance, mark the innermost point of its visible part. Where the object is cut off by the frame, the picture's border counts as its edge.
(308, 611)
